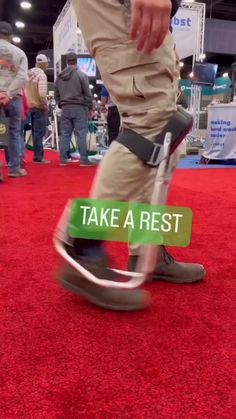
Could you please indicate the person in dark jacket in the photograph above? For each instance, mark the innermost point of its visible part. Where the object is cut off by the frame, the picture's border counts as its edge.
(73, 96)
(135, 53)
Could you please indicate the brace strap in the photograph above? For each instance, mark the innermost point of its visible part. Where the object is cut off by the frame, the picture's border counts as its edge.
(152, 152)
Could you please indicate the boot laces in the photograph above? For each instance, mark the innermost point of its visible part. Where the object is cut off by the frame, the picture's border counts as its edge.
(168, 259)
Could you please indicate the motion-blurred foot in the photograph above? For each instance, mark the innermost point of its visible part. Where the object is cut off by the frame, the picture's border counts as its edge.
(68, 161)
(108, 297)
(18, 173)
(44, 161)
(87, 164)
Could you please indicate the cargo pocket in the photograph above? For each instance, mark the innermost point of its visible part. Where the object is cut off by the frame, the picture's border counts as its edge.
(136, 91)
(122, 70)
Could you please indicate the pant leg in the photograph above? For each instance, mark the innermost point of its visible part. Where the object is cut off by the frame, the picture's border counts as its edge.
(22, 140)
(81, 129)
(38, 120)
(66, 133)
(13, 111)
(142, 86)
(113, 123)
(7, 157)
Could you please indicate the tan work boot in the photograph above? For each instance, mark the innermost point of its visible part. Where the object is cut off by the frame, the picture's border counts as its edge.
(171, 271)
(108, 297)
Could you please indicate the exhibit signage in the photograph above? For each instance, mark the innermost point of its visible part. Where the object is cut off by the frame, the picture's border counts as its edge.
(221, 139)
(222, 87)
(64, 35)
(185, 26)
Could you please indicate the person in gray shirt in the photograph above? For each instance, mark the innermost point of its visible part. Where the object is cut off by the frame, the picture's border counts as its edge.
(73, 96)
(13, 77)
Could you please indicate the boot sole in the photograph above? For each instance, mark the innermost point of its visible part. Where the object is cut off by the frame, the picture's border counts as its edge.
(16, 176)
(95, 300)
(179, 280)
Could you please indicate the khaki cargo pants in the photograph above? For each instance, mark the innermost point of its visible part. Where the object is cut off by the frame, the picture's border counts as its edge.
(144, 88)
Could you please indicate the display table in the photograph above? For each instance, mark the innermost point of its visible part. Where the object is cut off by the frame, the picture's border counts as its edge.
(221, 132)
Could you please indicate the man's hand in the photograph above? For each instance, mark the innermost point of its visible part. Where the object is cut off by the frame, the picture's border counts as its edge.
(150, 23)
(4, 99)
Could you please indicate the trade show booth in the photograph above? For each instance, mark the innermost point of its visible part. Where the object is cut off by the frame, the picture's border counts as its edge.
(189, 30)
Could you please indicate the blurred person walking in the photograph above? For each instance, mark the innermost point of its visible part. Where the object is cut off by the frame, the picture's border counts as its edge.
(36, 92)
(73, 96)
(13, 76)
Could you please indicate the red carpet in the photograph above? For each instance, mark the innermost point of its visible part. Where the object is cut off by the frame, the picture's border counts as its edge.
(62, 358)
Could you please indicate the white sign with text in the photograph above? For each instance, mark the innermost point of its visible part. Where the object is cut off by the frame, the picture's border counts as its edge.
(221, 138)
(185, 30)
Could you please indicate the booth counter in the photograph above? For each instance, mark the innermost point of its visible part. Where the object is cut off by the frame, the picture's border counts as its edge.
(221, 132)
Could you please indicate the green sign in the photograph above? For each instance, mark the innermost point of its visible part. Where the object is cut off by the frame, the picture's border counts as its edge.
(222, 86)
(129, 222)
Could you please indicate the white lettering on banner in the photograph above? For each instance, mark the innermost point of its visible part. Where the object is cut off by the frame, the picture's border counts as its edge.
(220, 87)
(140, 220)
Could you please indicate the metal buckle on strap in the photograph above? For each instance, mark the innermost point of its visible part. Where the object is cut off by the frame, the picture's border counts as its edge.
(157, 155)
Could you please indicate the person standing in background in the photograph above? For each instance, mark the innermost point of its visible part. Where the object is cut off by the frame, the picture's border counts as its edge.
(113, 116)
(13, 76)
(73, 96)
(36, 92)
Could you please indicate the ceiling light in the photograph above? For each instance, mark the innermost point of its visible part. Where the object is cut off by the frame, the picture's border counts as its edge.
(26, 5)
(91, 86)
(16, 40)
(226, 75)
(99, 102)
(95, 95)
(181, 64)
(20, 25)
(191, 75)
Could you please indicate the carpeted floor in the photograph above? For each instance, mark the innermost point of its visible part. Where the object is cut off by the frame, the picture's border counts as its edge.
(62, 358)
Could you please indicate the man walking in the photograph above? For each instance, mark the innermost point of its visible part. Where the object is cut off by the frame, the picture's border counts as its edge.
(135, 52)
(36, 92)
(13, 76)
(73, 96)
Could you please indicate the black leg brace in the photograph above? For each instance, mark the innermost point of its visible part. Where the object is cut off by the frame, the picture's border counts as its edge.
(151, 152)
